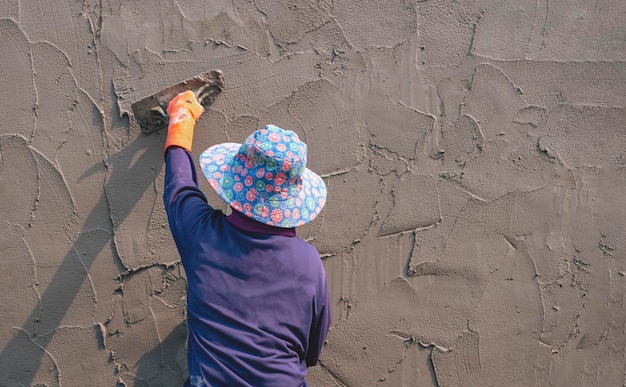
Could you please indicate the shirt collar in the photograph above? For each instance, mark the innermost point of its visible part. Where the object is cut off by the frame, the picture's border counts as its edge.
(245, 223)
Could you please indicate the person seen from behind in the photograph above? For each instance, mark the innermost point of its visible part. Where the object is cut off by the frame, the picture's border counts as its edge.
(257, 297)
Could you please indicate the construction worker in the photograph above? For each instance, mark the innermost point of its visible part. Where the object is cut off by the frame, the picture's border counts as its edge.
(257, 297)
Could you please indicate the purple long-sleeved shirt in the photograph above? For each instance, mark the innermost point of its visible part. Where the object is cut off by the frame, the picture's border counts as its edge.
(257, 296)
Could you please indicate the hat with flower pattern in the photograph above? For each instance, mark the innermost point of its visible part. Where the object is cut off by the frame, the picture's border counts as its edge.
(266, 178)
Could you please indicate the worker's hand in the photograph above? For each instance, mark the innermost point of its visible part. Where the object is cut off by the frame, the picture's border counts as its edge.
(184, 105)
(183, 111)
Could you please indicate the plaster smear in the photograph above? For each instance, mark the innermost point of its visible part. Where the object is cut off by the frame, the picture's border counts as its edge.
(473, 153)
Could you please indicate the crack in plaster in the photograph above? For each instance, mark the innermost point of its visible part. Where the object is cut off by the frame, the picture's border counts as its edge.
(336, 378)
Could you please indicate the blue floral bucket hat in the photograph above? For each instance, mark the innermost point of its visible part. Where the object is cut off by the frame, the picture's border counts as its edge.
(266, 178)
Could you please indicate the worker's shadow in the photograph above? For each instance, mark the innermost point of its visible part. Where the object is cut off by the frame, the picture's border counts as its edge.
(171, 370)
(131, 172)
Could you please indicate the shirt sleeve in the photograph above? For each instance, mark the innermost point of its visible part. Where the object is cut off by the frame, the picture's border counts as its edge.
(185, 204)
(320, 325)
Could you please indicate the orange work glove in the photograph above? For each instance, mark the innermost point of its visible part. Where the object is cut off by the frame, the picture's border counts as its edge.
(183, 111)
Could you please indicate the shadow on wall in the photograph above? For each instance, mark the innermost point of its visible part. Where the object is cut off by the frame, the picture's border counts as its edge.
(23, 356)
(173, 350)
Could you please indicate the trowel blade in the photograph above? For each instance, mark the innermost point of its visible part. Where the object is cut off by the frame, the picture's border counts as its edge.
(151, 112)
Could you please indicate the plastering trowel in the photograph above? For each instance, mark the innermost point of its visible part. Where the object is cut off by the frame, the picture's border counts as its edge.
(151, 112)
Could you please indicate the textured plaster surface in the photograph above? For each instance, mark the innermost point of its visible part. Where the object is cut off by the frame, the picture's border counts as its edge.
(474, 154)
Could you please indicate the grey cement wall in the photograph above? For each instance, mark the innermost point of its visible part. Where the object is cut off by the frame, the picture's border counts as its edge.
(474, 153)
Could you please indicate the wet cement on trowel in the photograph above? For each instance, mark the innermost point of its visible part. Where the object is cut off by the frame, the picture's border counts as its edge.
(473, 152)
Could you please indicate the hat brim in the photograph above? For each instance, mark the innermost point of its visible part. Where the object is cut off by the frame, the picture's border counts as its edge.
(289, 211)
